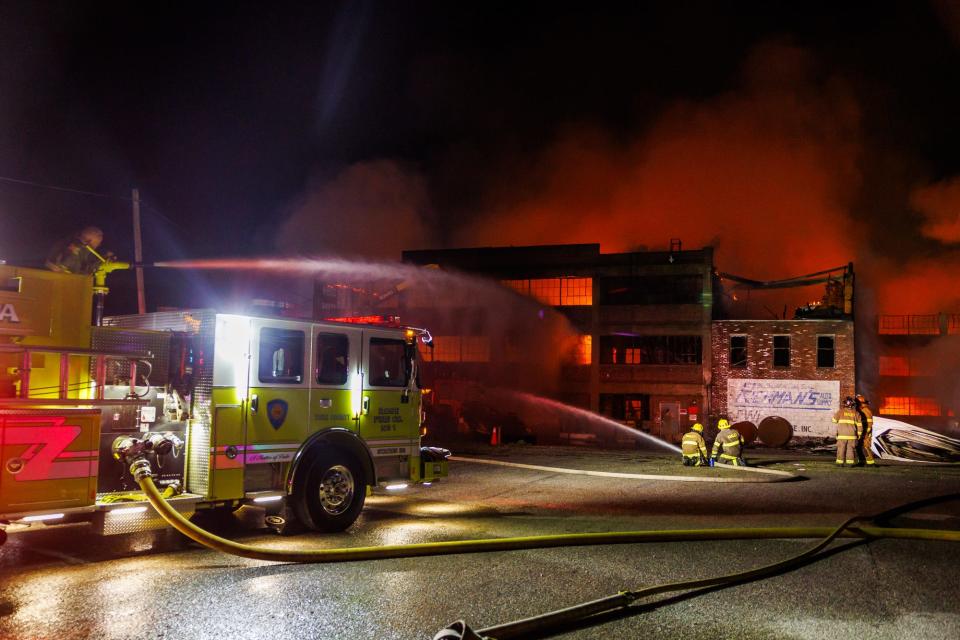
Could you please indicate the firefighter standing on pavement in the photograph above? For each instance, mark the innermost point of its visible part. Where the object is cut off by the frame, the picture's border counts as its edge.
(694, 447)
(848, 432)
(865, 442)
(729, 444)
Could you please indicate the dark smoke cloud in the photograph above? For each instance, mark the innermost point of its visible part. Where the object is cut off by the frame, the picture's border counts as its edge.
(940, 205)
(767, 173)
(372, 209)
(770, 174)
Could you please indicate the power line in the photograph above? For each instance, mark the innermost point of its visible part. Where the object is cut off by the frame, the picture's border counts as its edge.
(64, 189)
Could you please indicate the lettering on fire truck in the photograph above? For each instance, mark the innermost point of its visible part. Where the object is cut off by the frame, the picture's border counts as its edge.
(8, 313)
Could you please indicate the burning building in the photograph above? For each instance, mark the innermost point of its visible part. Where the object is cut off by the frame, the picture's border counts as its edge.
(651, 349)
(916, 360)
(642, 324)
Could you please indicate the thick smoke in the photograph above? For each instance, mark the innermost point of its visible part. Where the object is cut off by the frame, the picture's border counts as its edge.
(940, 205)
(767, 174)
(371, 209)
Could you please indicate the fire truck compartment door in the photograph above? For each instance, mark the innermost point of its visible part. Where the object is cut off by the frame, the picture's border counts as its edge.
(48, 459)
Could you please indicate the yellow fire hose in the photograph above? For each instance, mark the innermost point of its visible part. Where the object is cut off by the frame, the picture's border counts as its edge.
(192, 531)
(578, 613)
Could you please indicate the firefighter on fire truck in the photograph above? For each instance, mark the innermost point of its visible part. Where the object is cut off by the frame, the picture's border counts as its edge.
(79, 254)
(300, 417)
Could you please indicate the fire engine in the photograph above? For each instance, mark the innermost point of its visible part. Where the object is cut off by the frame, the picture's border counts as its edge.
(303, 418)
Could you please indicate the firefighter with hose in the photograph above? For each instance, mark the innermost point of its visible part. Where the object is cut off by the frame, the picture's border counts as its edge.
(694, 447)
(729, 444)
(865, 442)
(848, 432)
(79, 253)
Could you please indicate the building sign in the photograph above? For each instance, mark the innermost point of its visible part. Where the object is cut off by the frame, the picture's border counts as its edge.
(808, 405)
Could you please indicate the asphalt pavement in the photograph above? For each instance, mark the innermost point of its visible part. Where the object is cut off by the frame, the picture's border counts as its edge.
(67, 583)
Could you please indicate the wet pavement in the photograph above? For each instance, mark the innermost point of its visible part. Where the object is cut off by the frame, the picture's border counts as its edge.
(68, 583)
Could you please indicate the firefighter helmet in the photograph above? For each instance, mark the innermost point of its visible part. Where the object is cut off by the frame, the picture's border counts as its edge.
(698, 427)
(848, 402)
(861, 399)
(723, 424)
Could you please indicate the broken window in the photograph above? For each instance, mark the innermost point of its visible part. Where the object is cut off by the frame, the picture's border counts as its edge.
(781, 351)
(826, 355)
(738, 352)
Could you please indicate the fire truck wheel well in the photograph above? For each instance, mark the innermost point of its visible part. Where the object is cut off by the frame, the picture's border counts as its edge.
(335, 438)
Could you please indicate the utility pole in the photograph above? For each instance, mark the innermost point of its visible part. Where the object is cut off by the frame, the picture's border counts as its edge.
(138, 253)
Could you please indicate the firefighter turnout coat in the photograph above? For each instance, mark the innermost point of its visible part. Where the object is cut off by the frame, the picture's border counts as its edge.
(866, 426)
(694, 448)
(848, 431)
(729, 444)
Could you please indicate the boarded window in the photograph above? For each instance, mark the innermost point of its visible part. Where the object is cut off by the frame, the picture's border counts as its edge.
(738, 352)
(281, 356)
(388, 363)
(781, 351)
(826, 355)
(333, 354)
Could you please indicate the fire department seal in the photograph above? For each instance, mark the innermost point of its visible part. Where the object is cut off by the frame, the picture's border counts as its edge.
(277, 412)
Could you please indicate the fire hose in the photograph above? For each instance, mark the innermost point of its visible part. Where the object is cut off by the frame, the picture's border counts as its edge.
(140, 469)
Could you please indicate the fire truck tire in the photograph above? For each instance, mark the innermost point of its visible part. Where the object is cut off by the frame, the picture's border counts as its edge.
(333, 492)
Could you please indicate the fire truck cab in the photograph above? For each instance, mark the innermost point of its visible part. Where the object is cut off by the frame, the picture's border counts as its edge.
(299, 417)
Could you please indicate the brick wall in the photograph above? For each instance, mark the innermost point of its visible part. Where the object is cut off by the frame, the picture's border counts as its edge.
(803, 354)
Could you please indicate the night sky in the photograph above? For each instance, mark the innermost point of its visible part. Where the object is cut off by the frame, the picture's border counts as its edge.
(791, 136)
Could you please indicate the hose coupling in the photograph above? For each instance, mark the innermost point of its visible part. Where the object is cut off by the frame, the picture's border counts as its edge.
(141, 469)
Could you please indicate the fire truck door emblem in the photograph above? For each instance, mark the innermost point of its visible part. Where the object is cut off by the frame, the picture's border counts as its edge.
(277, 412)
(46, 457)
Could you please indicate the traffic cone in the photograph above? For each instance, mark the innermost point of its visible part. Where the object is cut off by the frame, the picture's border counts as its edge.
(495, 436)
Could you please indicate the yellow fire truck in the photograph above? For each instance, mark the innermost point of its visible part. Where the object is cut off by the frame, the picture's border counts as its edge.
(300, 417)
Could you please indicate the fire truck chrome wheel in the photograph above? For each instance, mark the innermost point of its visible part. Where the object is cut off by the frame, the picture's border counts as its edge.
(331, 491)
(336, 489)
